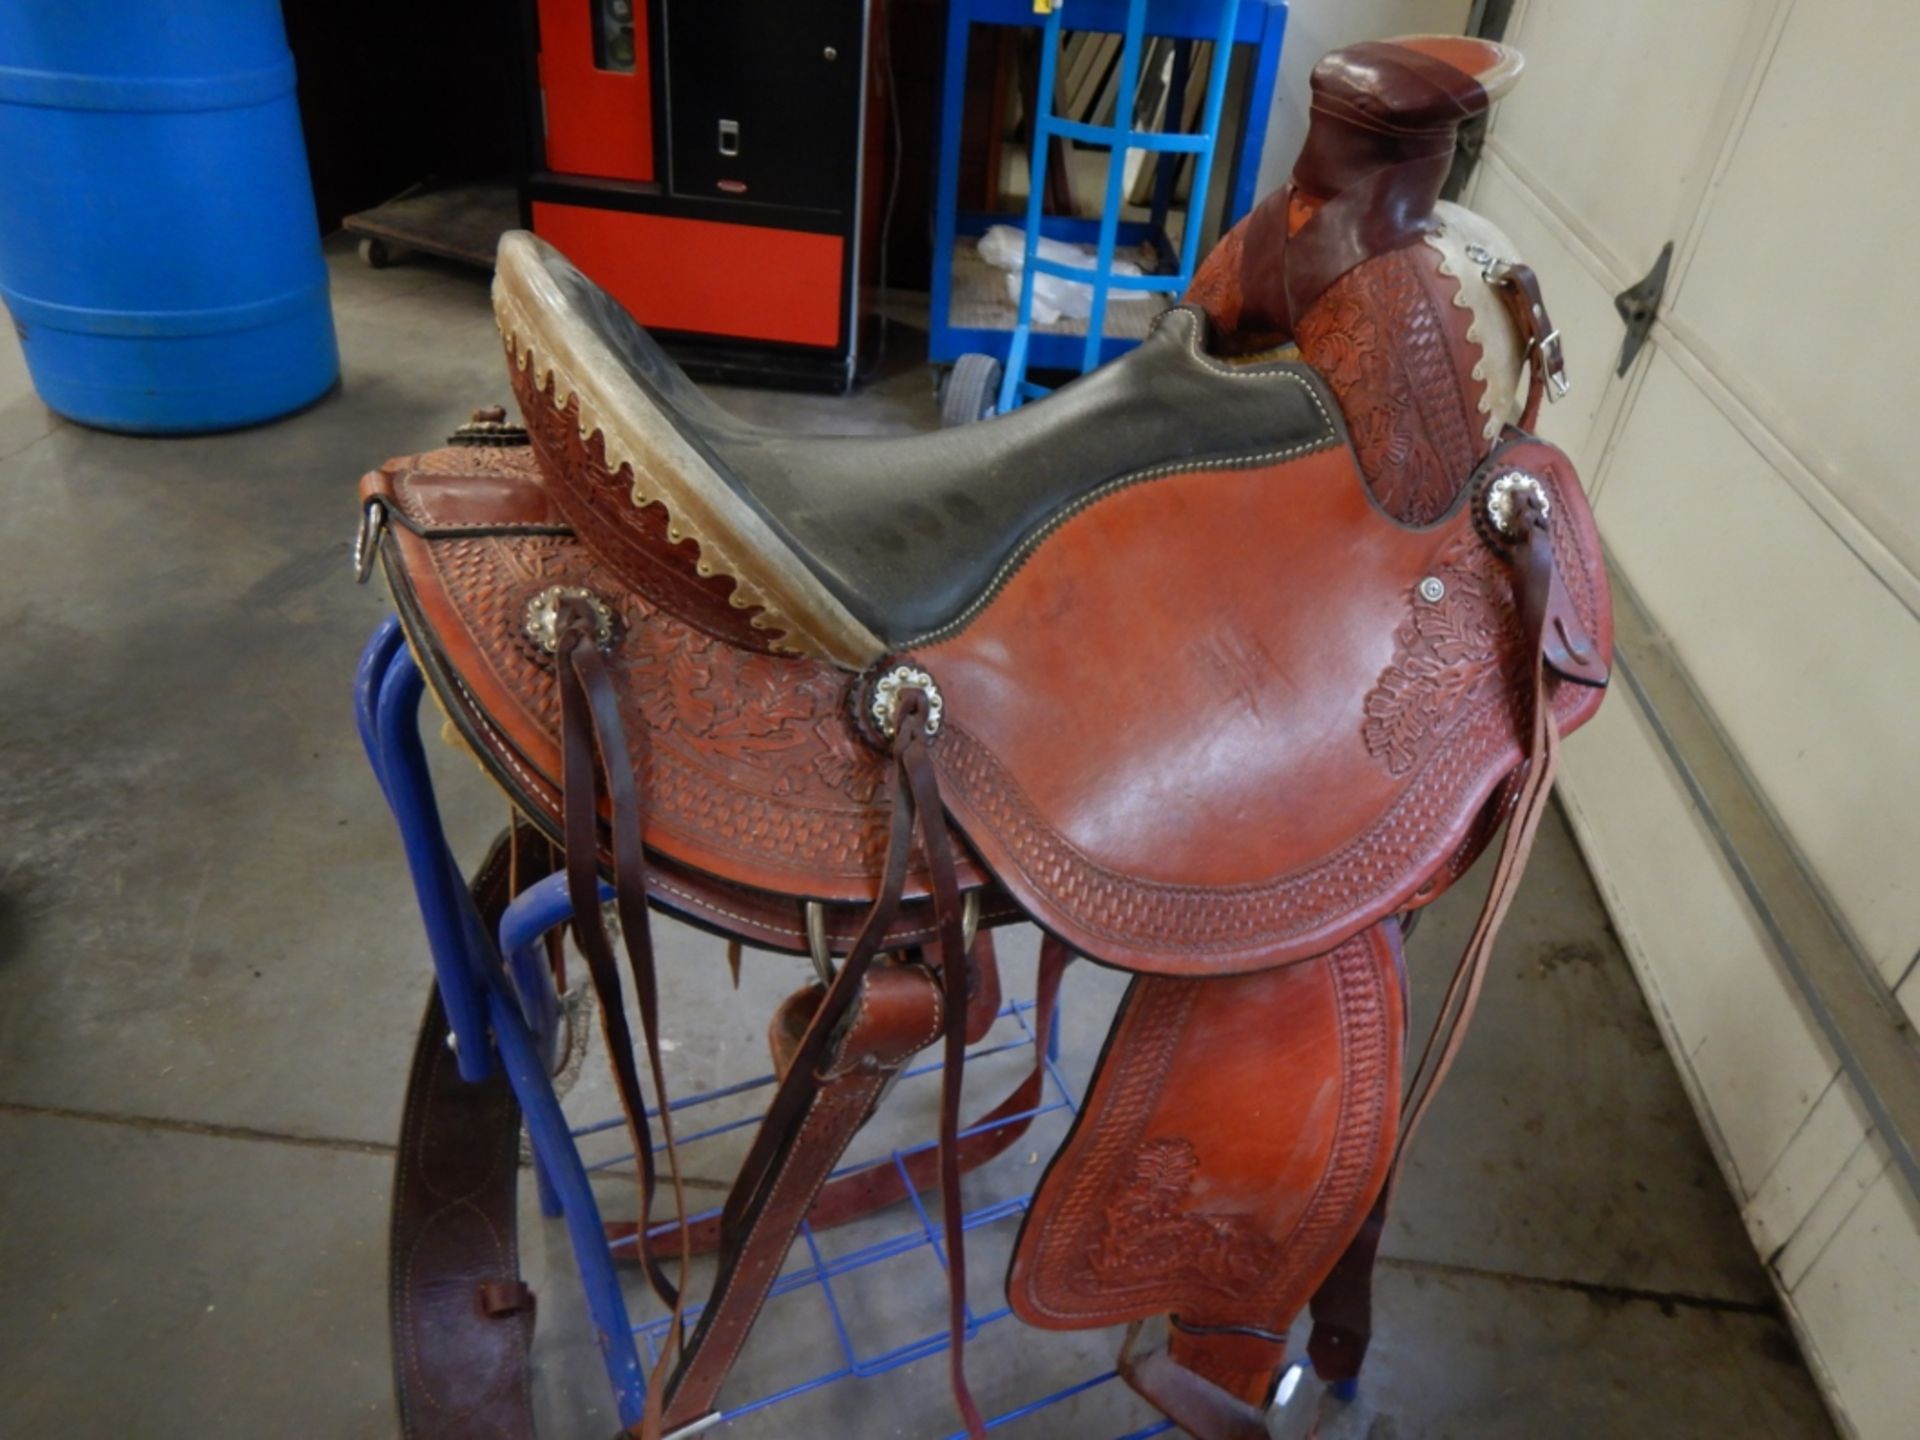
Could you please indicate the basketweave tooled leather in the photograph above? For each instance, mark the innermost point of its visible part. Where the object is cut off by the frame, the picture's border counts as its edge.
(1234, 1137)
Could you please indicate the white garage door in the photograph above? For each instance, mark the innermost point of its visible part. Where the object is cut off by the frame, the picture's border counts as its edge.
(1754, 480)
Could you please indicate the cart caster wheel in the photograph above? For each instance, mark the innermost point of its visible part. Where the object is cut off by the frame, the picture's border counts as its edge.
(377, 254)
(971, 391)
(1345, 1391)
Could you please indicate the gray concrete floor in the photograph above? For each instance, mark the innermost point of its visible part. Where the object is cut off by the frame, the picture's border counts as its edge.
(210, 972)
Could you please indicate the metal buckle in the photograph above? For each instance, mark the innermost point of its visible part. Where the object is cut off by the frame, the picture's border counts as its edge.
(1553, 363)
(1493, 269)
(366, 540)
(817, 945)
(695, 1427)
(821, 948)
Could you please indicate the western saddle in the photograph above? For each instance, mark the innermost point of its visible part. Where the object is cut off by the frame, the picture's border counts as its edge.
(1216, 665)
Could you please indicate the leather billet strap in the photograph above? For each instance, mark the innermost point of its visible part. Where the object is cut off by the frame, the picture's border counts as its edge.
(461, 1318)
(1519, 289)
(1342, 1308)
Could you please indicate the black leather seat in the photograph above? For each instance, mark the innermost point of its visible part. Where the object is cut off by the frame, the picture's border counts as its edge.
(906, 531)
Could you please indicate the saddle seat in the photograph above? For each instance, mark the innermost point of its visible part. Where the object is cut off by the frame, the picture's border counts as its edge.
(849, 547)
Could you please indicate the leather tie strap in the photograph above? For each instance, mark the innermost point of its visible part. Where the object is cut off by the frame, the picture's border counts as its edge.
(1342, 1306)
(918, 765)
(1534, 584)
(590, 720)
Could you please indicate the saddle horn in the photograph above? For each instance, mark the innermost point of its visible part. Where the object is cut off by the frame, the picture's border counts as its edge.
(1384, 120)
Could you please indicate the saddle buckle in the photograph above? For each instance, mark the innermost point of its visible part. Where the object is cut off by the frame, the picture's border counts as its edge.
(820, 946)
(366, 539)
(1553, 362)
(695, 1427)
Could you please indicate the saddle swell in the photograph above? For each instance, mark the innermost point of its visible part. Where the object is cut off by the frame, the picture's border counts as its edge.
(1215, 664)
(1416, 310)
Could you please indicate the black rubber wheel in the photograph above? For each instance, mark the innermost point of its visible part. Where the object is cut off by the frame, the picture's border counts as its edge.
(375, 252)
(972, 391)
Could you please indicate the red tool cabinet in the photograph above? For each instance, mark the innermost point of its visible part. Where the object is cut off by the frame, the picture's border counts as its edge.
(710, 163)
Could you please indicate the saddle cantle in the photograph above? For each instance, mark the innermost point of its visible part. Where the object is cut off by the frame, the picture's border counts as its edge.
(1216, 663)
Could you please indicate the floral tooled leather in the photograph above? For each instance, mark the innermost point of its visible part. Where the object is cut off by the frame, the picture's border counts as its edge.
(1452, 655)
(753, 772)
(1394, 349)
(1149, 1230)
(1208, 1187)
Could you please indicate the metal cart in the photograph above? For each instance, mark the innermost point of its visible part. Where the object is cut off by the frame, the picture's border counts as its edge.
(993, 342)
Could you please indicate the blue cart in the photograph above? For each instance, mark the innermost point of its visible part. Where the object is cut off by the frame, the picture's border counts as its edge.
(991, 360)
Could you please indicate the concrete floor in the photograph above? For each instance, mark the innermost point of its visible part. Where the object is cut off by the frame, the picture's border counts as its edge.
(210, 973)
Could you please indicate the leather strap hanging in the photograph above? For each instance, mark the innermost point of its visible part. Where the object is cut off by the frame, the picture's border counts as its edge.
(867, 1191)
(590, 722)
(461, 1317)
(1342, 1308)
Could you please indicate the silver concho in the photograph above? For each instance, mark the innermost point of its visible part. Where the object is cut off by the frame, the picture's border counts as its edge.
(1506, 502)
(884, 707)
(543, 616)
(1433, 589)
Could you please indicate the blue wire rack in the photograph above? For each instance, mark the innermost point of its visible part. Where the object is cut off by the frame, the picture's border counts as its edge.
(1118, 140)
(1256, 26)
(501, 1008)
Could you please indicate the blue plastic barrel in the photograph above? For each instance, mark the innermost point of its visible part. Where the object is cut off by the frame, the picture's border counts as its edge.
(158, 246)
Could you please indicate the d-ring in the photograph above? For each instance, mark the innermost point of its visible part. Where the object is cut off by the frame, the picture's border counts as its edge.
(817, 945)
(821, 949)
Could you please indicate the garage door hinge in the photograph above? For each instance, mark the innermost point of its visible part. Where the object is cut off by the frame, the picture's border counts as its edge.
(1639, 303)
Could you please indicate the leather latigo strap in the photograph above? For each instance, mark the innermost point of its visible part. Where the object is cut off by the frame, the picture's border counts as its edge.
(461, 1317)
(1233, 1141)
(897, 1014)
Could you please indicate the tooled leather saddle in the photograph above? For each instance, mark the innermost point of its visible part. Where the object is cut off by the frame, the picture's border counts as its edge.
(1217, 664)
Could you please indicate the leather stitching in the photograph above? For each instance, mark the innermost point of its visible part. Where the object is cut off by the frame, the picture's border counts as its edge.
(1060, 517)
